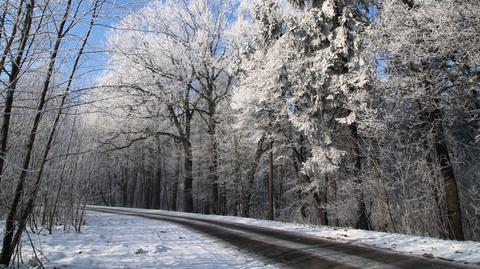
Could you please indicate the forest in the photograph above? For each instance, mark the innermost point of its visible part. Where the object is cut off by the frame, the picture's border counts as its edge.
(349, 113)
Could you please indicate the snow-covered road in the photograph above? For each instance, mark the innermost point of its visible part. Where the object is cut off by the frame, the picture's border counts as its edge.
(163, 239)
(293, 249)
(118, 241)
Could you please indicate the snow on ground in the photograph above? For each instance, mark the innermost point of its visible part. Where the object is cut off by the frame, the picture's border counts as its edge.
(466, 251)
(118, 241)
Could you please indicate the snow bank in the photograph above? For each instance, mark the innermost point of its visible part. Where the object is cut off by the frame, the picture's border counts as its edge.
(461, 251)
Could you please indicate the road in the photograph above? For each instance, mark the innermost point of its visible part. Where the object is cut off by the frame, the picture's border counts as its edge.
(294, 250)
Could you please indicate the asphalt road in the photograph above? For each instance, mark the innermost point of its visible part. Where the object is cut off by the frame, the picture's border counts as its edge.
(294, 250)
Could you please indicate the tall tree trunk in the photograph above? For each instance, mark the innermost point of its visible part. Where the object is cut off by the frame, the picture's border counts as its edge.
(183, 137)
(147, 184)
(9, 41)
(8, 246)
(12, 83)
(213, 176)
(188, 178)
(442, 229)
(455, 228)
(377, 170)
(62, 177)
(157, 182)
(270, 182)
(124, 185)
(132, 189)
(362, 221)
(298, 158)
(213, 154)
(251, 178)
(435, 116)
(4, 15)
(237, 179)
(176, 179)
(212, 168)
(188, 158)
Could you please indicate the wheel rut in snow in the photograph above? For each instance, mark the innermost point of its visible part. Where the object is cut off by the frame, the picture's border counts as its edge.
(294, 250)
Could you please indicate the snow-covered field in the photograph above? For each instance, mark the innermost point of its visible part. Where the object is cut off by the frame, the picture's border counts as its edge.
(467, 251)
(117, 241)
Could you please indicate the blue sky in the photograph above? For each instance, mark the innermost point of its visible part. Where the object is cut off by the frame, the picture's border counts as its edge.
(95, 61)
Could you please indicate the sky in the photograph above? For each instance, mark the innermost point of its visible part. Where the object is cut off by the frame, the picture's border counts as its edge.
(96, 60)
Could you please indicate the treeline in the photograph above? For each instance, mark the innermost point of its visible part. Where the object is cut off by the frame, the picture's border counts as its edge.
(346, 113)
(44, 179)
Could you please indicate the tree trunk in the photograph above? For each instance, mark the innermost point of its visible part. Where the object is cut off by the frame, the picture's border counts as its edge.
(455, 228)
(132, 188)
(4, 15)
(124, 185)
(270, 182)
(376, 167)
(362, 221)
(237, 179)
(213, 154)
(157, 186)
(176, 180)
(14, 28)
(12, 83)
(8, 246)
(62, 177)
(251, 178)
(188, 178)
(212, 168)
(298, 158)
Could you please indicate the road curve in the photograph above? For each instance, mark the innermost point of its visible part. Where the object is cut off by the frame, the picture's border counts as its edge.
(294, 250)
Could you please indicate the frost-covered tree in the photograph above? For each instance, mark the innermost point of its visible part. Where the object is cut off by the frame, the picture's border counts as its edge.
(324, 72)
(261, 96)
(40, 59)
(425, 56)
(172, 62)
(305, 73)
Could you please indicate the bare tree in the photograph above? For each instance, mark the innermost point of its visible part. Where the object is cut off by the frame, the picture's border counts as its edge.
(15, 69)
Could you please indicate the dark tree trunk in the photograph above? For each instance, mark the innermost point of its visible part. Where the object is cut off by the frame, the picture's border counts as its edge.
(147, 189)
(124, 185)
(362, 221)
(8, 240)
(270, 182)
(298, 158)
(251, 178)
(176, 179)
(454, 215)
(213, 154)
(188, 178)
(237, 180)
(132, 188)
(12, 83)
(157, 187)
(213, 176)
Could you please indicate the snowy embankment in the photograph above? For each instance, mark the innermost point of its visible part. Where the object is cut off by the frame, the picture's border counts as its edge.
(118, 241)
(466, 251)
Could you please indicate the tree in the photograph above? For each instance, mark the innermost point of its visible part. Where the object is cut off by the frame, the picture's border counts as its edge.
(179, 83)
(429, 77)
(260, 97)
(25, 193)
(16, 66)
